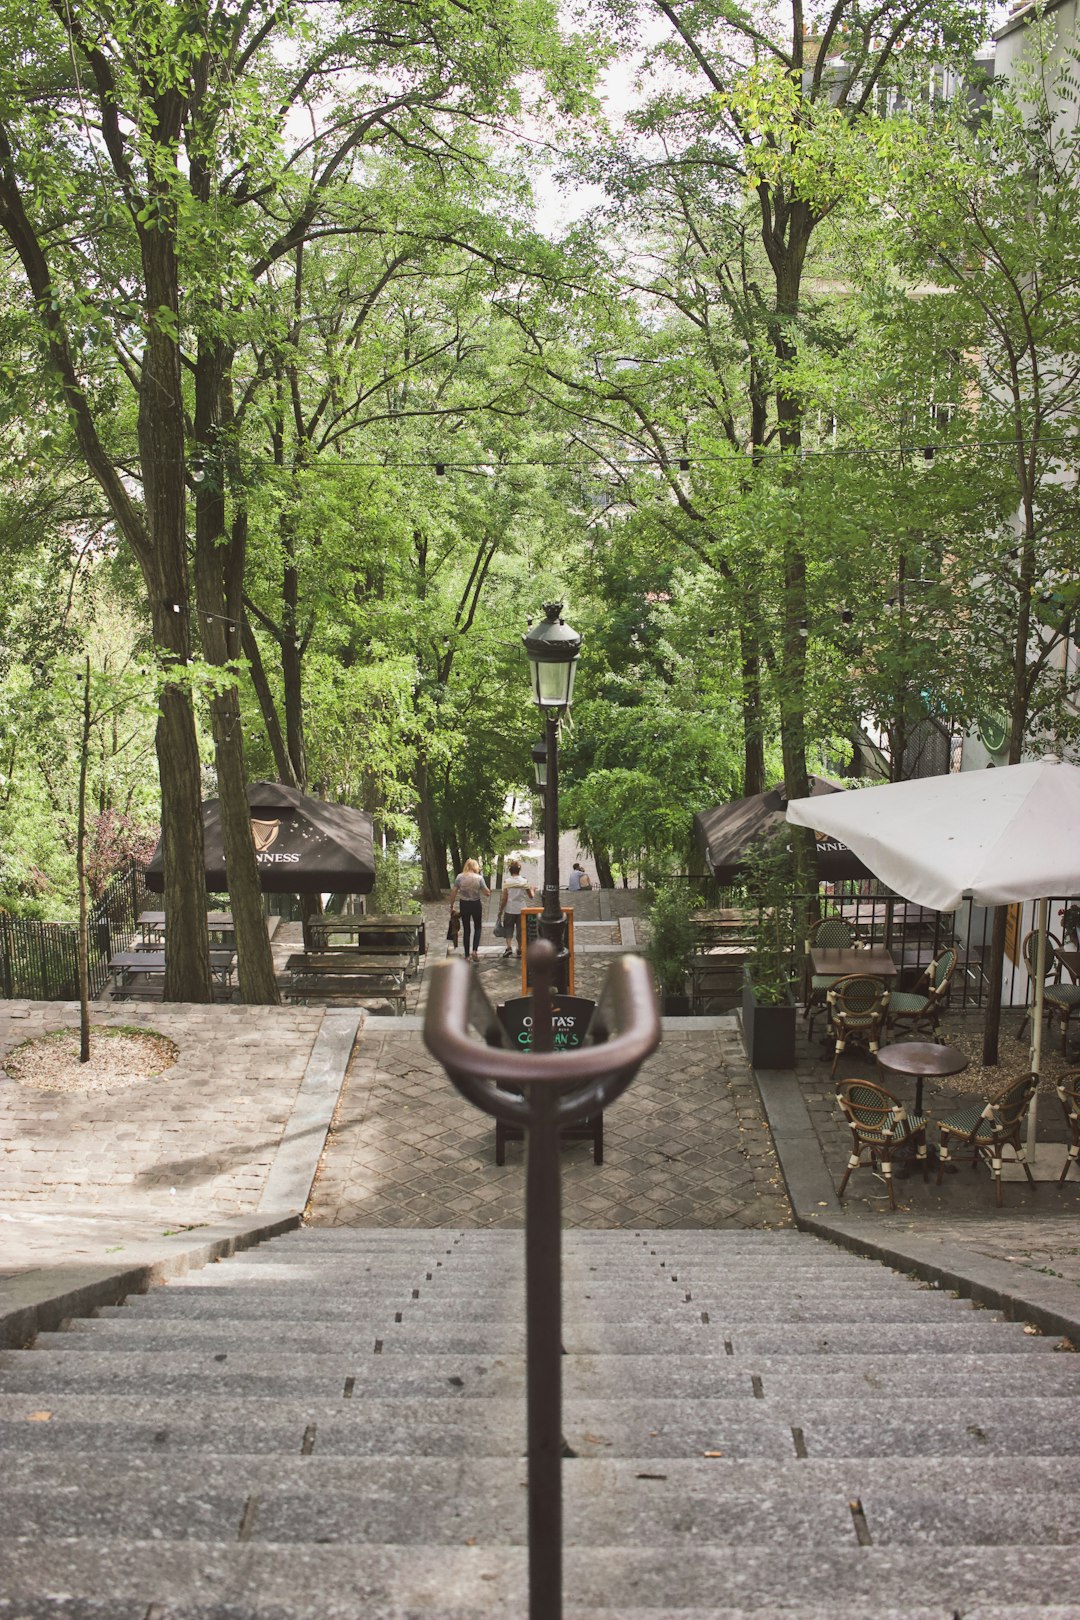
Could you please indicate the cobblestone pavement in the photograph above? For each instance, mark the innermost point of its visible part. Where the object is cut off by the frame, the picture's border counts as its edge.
(686, 1146)
(193, 1145)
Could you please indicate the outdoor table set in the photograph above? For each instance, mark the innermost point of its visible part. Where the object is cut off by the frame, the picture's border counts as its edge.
(151, 926)
(403, 937)
(134, 973)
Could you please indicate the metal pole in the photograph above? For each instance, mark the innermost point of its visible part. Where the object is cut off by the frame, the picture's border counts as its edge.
(1037, 1021)
(543, 1319)
(552, 924)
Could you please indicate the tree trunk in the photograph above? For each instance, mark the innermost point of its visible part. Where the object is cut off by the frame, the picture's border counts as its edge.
(603, 869)
(432, 859)
(753, 734)
(292, 657)
(268, 708)
(219, 564)
(80, 863)
(1017, 726)
(161, 456)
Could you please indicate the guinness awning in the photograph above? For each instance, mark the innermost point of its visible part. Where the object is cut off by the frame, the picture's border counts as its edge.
(725, 833)
(302, 845)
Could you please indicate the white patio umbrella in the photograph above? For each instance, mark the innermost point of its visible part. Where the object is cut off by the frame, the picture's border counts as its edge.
(994, 836)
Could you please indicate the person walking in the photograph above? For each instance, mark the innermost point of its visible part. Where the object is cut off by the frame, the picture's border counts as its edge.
(515, 892)
(470, 891)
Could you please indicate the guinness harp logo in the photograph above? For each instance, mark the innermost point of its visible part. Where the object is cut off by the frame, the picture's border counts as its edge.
(264, 834)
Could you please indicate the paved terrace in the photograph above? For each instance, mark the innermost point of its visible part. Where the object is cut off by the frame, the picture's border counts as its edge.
(268, 1106)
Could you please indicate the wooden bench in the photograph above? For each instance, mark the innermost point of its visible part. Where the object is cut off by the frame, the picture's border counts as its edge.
(345, 976)
(381, 936)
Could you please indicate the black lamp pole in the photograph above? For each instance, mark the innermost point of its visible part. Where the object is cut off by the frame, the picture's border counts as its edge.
(553, 649)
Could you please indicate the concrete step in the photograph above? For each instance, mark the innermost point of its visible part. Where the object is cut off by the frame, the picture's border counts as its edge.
(975, 1333)
(248, 1371)
(494, 1426)
(595, 1479)
(369, 1510)
(484, 1306)
(243, 1579)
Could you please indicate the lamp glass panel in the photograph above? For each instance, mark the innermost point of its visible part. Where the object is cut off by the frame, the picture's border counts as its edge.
(553, 684)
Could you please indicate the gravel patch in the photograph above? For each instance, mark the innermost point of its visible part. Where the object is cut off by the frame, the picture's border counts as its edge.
(118, 1057)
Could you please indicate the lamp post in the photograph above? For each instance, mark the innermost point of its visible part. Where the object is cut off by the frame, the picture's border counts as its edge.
(553, 649)
(539, 759)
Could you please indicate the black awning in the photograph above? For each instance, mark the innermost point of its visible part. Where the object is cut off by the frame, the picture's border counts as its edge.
(302, 845)
(725, 833)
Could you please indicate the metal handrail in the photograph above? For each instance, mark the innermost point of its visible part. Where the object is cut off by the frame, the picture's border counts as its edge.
(625, 1029)
(551, 1090)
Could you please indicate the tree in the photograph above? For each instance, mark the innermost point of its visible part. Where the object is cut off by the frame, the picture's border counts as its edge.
(149, 179)
(782, 105)
(994, 211)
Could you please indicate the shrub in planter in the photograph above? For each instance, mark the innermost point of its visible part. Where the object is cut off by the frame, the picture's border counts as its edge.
(771, 968)
(671, 942)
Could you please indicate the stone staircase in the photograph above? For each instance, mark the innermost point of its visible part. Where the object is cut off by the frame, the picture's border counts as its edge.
(332, 1427)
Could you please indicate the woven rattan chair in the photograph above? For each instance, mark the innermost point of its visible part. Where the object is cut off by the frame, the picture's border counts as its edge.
(1068, 1089)
(857, 1007)
(879, 1125)
(914, 1010)
(1060, 999)
(830, 934)
(989, 1127)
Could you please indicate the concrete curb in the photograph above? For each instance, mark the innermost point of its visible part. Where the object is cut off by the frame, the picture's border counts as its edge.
(1050, 1304)
(33, 1302)
(302, 1141)
(37, 1301)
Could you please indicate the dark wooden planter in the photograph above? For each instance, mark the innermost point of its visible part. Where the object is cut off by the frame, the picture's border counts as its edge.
(675, 1006)
(769, 1032)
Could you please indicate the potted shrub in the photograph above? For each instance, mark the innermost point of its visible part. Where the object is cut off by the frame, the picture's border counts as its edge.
(768, 1009)
(671, 943)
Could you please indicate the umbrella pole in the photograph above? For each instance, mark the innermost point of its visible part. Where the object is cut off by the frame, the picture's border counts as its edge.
(1037, 1020)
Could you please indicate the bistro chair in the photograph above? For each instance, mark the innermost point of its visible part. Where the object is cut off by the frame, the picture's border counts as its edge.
(1059, 1000)
(989, 1127)
(857, 1007)
(830, 934)
(879, 1125)
(1068, 1089)
(915, 1011)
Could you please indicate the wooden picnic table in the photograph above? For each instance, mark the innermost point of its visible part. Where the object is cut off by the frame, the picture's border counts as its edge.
(723, 925)
(151, 924)
(127, 966)
(346, 974)
(388, 935)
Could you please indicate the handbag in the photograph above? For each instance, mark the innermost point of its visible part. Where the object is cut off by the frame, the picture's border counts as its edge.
(505, 927)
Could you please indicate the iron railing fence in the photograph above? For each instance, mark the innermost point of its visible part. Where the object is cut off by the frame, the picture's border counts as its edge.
(39, 961)
(915, 934)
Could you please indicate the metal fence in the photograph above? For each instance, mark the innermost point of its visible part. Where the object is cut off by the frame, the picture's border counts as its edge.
(913, 934)
(39, 961)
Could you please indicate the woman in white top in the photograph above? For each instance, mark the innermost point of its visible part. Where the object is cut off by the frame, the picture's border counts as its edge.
(515, 892)
(470, 891)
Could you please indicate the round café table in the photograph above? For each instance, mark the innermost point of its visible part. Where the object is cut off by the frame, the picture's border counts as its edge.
(924, 1060)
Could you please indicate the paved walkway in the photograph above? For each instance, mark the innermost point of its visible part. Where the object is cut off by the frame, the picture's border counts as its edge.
(83, 1173)
(686, 1146)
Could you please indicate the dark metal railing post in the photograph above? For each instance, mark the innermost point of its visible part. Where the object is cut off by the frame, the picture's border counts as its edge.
(543, 1321)
(540, 1092)
(551, 924)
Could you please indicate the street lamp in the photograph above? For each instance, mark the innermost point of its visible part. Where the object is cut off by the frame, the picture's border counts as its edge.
(539, 759)
(553, 649)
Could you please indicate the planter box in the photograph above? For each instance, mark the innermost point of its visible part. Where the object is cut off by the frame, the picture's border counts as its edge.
(675, 1006)
(769, 1032)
